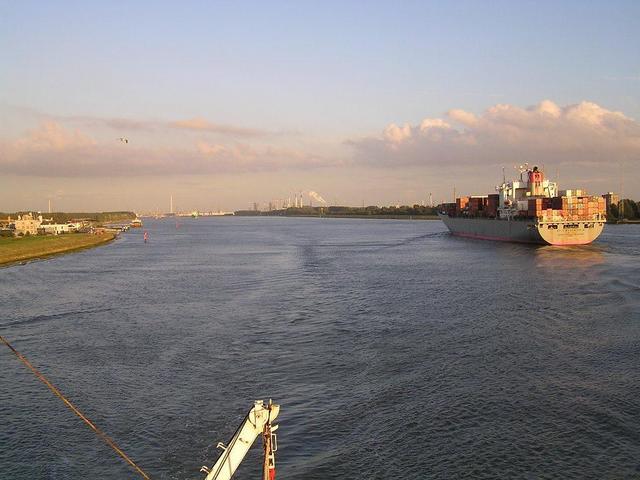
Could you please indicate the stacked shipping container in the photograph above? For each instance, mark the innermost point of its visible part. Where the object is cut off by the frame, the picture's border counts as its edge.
(461, 204)
(567, 208)
(477, 206)
(544, 208)
(492, 205)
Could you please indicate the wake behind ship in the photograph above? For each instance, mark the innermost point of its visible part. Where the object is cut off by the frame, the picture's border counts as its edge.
(529, 210)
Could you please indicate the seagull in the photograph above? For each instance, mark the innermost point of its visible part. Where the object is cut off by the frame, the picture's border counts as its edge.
(124, 139)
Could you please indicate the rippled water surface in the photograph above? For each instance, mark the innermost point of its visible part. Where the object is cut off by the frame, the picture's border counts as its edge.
(395, 350)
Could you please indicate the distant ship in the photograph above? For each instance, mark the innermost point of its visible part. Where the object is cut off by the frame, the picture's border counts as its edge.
(529, 210)
(136, 223)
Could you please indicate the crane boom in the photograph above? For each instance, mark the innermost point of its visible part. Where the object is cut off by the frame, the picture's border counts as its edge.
(257, 421)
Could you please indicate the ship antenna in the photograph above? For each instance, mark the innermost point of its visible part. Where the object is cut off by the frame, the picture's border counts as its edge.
(504, 178)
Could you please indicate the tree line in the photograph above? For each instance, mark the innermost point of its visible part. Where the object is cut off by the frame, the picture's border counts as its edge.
(630, 210)
(335, 210)
(64, 217)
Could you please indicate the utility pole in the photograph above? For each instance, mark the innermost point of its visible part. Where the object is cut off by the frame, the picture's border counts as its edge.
(621, 201)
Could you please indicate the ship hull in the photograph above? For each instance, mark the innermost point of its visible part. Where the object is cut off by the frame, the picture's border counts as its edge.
(525, 231)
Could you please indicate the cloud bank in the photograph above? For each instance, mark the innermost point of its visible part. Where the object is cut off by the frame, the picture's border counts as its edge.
(129, 126)
(51, 150)
(201, 124)
(197, 124)
(580, 134)
(584, 133)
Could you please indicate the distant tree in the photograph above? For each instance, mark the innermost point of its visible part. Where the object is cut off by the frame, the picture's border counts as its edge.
(630, 209)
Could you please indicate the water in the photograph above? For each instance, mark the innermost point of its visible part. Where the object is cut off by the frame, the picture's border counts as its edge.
(395, 350)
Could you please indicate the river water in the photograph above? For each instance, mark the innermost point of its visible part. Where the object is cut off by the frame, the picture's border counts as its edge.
(395, 350)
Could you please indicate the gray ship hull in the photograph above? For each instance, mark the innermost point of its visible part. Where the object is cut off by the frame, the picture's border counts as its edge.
(525, 231)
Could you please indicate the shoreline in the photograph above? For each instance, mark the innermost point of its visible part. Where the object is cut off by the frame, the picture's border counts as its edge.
(67, 243)
(373, 217)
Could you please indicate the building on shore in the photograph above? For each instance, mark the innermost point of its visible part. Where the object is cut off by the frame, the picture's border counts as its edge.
(58, 228)
(26, 224)
(611, 198)
(29, 224)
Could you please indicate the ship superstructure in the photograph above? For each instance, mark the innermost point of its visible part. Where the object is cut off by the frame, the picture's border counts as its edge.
(514, 196)
(530, 209)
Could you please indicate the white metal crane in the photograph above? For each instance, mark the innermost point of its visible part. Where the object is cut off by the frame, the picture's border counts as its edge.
(258, 421)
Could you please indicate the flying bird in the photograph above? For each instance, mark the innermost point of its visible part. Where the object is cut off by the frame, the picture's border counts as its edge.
(124, 139)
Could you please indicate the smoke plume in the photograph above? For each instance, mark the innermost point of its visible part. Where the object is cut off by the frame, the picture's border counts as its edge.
(317, 196)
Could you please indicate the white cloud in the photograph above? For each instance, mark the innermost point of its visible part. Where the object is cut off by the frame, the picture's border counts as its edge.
(396, 134)
(582, 133)
(433, 123)
(53, 136)
(462, 117)
(123, 125)
(547, 107)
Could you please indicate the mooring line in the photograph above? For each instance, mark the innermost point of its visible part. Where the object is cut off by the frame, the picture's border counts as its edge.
(73, 408)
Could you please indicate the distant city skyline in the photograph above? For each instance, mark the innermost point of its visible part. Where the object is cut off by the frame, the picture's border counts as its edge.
(227, 104)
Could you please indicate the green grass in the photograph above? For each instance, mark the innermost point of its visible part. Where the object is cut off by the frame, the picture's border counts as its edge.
(19, 249)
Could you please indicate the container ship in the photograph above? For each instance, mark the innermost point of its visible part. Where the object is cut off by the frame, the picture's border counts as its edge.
(528, 210)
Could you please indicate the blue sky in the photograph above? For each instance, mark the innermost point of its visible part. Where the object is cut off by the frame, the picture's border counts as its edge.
(317, 73)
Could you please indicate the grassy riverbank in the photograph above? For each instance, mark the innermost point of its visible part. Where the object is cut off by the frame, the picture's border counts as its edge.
(14, 250)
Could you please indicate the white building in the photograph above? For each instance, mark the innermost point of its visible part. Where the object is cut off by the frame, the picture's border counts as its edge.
(27, 224)
(58, 228)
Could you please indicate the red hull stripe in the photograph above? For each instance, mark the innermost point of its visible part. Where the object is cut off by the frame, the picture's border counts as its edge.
(506, 239)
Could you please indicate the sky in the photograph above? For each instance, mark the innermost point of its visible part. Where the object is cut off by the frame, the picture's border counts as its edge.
(229, 103)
